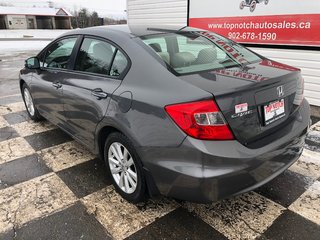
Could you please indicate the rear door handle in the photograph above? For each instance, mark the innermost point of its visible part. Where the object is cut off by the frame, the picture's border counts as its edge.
(57, 85)
(99, 94)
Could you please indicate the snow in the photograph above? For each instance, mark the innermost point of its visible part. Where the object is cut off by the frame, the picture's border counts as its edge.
(32, 33)
(26, 39)
(7, 47)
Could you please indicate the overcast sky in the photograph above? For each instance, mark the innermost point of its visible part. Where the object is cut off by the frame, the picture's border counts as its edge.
(105, 8)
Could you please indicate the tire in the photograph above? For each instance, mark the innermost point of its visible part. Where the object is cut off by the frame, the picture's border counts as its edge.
(29, 104)
(125, 169)
(266, 2)
(242, 4)
(253, 6)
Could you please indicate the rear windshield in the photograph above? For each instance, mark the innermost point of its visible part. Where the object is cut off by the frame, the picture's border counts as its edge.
(190, 52)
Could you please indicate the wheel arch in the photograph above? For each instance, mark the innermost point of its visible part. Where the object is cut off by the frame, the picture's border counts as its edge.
(102, 135)
(21, 82)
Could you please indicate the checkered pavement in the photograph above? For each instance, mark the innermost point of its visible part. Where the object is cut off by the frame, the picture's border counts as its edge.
(52, 188)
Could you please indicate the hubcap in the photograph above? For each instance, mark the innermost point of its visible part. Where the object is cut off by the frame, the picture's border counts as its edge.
(28, 101)
(122, 167)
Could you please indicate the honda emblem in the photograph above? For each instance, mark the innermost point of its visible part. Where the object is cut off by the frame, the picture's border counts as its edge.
(280, 91)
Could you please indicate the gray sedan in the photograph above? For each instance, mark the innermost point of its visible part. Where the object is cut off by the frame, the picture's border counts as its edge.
(184, 113)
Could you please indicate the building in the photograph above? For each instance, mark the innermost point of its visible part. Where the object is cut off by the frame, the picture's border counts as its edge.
(280, 30)
(34, 18)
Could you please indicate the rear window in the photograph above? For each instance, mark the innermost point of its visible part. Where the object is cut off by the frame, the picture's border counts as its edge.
(190, 52)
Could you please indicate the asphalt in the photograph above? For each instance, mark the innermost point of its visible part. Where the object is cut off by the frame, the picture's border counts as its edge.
(10, 64)
(52, 188)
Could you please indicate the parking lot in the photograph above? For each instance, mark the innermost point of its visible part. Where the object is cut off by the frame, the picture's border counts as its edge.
(52, 188)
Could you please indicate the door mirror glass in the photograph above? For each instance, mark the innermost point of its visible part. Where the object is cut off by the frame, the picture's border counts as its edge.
(32, 63)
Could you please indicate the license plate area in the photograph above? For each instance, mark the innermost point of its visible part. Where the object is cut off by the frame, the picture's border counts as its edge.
(273, 111)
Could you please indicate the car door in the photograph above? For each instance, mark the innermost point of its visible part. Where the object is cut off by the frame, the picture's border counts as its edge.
(99, 68)
(47, 83)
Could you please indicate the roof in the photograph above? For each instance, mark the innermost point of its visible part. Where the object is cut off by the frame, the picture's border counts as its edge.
(129, 31)
(145, 30)
(34, 11)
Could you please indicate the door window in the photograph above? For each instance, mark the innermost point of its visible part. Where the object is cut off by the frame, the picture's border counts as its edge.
(58, 54)
(95, 56)
(119, 64)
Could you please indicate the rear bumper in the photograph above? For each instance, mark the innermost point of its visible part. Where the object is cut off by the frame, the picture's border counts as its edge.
(205, 171)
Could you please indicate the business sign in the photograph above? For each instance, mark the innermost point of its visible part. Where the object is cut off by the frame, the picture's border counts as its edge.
(284, 22)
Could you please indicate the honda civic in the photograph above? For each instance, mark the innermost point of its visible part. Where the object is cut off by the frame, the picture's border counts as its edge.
(185, 113)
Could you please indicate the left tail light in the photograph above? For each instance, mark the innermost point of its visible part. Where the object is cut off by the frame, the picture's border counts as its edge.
(201, 120)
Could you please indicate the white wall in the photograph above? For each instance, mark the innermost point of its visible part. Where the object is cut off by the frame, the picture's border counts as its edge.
(307, 61)
(157, 12)
(174, 12)
(17, 21)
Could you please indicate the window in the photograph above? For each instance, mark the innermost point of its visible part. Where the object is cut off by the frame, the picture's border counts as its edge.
(159, 45)
(95, 56)
(198, 51)
(119, 64)
(58, 54)
(195, 47)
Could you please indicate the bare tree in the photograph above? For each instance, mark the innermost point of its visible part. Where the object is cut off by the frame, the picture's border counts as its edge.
(83, 18)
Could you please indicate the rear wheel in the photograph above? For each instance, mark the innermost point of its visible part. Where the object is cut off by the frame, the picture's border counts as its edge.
(266, 2)
(253, 6)
(29, 103)
(125, 167)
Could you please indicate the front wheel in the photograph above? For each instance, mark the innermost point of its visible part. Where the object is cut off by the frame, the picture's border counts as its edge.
(266, 2)
(29, 103)
(242, 4)
(125, 167)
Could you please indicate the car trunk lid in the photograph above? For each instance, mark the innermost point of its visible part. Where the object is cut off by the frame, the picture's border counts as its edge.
(255, 99)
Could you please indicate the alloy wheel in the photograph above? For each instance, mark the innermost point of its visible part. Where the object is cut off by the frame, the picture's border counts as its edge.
(122, 167)
(29, 102)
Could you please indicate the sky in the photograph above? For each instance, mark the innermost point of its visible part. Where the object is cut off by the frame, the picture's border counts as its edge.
(105, 8)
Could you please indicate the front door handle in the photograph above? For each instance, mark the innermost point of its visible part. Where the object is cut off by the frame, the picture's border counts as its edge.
(99, 94)
(57, 85)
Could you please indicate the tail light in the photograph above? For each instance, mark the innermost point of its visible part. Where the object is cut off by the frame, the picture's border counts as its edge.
(299, 92)
(201, 120)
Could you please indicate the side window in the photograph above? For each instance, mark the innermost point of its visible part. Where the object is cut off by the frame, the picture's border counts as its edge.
(95, 56)
(119, 64)
(58, 54)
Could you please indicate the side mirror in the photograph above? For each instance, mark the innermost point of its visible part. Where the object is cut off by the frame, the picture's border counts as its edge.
(32, 63)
